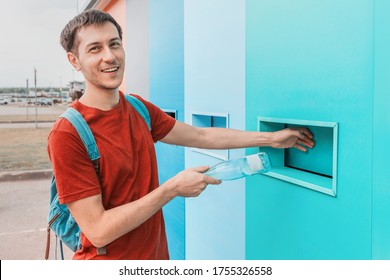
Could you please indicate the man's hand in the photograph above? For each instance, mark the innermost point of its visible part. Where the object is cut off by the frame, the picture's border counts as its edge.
(299, 138)
(192, 182)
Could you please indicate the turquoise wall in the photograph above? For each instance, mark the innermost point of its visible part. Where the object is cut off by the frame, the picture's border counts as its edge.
(215, 94)
(312, 60)
(166, 63)
(381, 133)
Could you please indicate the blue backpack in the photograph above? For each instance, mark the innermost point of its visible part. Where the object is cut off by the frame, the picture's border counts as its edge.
(60, 221)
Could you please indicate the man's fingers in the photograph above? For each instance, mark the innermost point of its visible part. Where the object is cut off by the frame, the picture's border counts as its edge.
(207, 179)
(305, 137)
(299, 147)
(211, 180)
(306, 132)
(306, 141)
(200, 169)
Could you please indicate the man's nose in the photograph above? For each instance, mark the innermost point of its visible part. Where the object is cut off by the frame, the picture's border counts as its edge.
(108, 55)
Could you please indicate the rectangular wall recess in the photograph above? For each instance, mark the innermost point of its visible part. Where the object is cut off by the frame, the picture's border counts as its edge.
(221, 120)
(171, 113)
(315, 169)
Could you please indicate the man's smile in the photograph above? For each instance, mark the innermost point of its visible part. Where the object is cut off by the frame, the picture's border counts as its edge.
(110, 70)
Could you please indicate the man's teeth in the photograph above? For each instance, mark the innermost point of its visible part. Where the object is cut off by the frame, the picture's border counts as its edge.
(110, 69)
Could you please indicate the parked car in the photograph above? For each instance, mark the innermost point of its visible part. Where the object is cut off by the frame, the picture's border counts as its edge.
(46, 102)
(3, 101)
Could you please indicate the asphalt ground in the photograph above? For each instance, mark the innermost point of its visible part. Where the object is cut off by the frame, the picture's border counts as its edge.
(24, 201)
(18, 109)
(21, 109)
(26, 125)
(24, 207)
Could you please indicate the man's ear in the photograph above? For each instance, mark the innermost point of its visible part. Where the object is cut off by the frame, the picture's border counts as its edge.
(73, 59)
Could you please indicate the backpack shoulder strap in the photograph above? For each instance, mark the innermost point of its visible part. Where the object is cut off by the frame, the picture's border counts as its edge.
(140, 107)
(57, 209)
(77, 120)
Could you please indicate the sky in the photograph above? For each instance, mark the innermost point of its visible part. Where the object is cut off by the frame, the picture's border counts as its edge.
(30, 38)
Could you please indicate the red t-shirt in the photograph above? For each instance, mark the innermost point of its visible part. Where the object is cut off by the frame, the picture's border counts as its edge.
(128, 170)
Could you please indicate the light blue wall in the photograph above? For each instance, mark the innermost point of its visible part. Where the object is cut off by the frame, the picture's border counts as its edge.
(215, 83)
(381, 133)
(166, 56)
(312, 60)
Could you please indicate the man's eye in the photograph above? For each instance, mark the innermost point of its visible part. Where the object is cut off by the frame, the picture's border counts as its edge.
(94, 49)
(115, 44)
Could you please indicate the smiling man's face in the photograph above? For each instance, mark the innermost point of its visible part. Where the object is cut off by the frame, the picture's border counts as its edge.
(101, 57)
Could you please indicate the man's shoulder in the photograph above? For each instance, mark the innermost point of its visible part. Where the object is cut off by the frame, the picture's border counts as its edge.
(139, 97)
(62, 127)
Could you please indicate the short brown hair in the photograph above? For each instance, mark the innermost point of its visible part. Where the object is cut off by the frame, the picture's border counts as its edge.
(84, 19)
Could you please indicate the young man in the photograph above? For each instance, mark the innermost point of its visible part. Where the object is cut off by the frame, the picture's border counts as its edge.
(121, 210)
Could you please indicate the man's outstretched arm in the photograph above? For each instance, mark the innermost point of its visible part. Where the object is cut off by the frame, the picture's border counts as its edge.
(183, 134)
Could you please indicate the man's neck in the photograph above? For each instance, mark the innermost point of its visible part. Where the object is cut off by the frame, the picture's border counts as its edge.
(101, 99)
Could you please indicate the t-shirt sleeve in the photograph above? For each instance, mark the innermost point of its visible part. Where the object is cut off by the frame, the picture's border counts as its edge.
(74, 171)
(161, 122)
